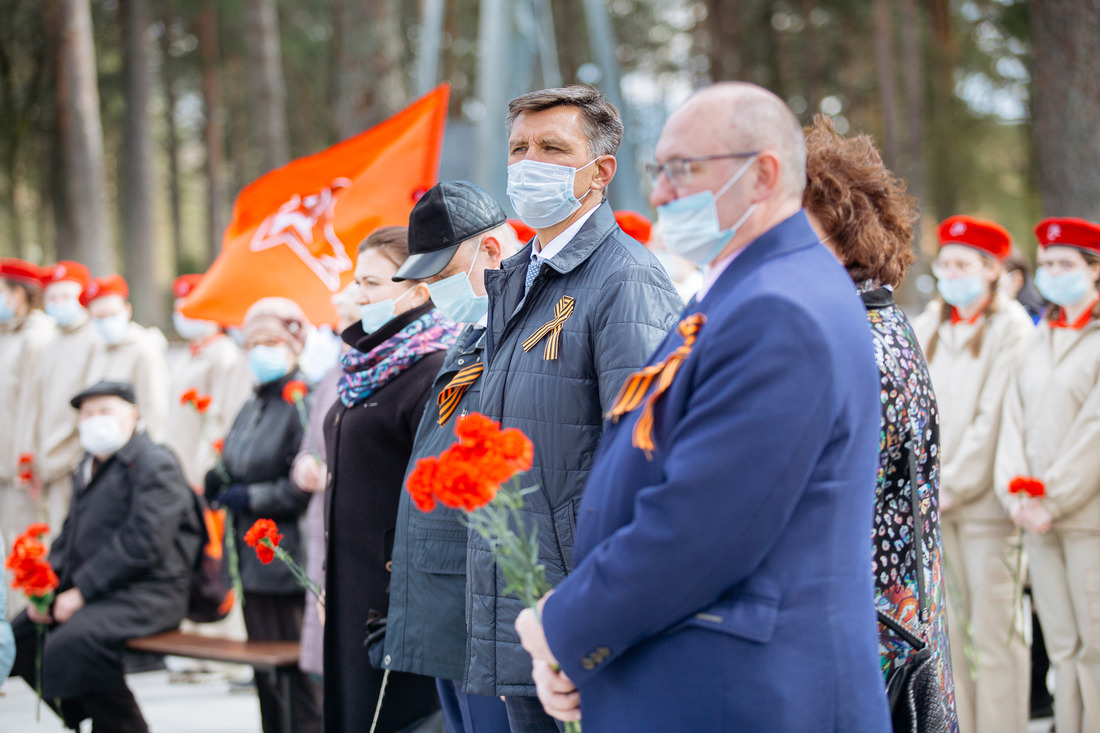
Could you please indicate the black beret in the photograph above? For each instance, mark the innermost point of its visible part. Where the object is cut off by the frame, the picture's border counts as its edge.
(125, 390)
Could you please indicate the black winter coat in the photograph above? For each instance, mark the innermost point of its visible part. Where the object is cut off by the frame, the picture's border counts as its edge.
(130, 544)
(368, 448)
(624, 304)
(258, 451)
(426, 632)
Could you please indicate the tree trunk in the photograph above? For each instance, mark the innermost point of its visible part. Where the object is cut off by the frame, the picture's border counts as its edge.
(945, 113)
(171, 138)
(371, 81)
(267, 89)
(138, 242)
(887, 80)
(213, 131)
(82, 137)
(1066, 43)
(913, 167)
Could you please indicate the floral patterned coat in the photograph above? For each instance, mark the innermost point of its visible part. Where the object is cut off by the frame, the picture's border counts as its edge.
(908, 407)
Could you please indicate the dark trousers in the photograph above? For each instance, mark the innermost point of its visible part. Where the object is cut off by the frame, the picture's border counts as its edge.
(525, 715)
(464, 713)
(112, 709)
(279, 618)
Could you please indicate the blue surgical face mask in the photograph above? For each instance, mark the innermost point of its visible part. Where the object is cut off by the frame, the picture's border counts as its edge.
(1065, 289)
(112, 329)
(542, 193)
(268, 363)
(690, 227)
(454, 296)
(64, 312)
(961, 291)
(375, 315)
(6, 311)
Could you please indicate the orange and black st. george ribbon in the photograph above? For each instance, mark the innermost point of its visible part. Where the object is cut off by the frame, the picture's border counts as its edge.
(448, 399)
(562, 311)
(647, 385)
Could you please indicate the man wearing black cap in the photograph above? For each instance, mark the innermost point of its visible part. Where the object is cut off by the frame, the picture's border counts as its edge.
(124, 558)
(456, 232)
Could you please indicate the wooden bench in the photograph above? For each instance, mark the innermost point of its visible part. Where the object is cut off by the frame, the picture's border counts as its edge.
(280, 657)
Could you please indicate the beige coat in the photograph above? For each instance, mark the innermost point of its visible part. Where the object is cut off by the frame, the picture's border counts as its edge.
(1051, 424)
(970, 393)
(141, 358)
(211, 370)
(21, 345)
(70, 362)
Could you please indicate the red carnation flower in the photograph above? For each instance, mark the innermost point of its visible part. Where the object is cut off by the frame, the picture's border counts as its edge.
(295, 391)
(263, 537)
(1029, 485)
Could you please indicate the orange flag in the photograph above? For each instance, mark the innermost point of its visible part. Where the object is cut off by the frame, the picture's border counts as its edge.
(296, 231)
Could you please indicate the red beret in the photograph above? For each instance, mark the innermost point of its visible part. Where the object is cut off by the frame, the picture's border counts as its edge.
(524, 232)
(184, 284)
(1069, 232)
(634, 224)
(101, 286)
(68, 270)
(21, 271)
(987, 236)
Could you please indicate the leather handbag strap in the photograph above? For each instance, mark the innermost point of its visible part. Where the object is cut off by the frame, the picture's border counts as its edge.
(903, 633)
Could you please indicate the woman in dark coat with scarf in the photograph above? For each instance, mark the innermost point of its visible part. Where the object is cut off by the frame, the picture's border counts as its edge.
(397, 349)
(862, 213)
(254, 483)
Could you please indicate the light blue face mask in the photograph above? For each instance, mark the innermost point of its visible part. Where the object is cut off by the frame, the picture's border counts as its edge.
(65, 312)
(690, 226)
(113, 329)
(1065, 289)
(454, 296)
(6, 311)
(961, 291)
(267, 363)
(542, 193)
(375, 315)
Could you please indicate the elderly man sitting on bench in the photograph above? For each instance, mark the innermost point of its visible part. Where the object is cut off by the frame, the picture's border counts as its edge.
(124, 558)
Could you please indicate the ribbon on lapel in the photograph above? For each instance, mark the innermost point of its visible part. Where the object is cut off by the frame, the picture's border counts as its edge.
(452, 393)
(553, 327)
(641, 383)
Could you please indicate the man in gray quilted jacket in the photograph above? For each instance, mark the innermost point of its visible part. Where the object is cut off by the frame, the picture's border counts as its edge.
(578, 309)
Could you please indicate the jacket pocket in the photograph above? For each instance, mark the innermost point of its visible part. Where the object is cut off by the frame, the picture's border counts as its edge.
(750, 616)
(565, 526)
(439, 545)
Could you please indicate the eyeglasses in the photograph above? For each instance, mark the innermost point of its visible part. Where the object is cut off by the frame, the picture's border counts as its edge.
(955, 269)
(679, 170)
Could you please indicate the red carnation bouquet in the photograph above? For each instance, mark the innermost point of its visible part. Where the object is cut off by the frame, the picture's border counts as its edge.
(478, 475)
(36, 578)
(1027, 488)
(264, 537)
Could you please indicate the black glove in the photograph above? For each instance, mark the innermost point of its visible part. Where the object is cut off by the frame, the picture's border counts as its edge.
(213, 484)
(235, 498)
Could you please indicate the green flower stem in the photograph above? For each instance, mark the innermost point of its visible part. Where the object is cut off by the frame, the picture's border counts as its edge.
(296, 569)
(41, 633)
(234, 559)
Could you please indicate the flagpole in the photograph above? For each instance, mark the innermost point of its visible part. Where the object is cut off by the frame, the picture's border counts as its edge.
(430, 33)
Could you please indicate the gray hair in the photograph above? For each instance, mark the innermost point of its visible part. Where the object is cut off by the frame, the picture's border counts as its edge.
(603, 127)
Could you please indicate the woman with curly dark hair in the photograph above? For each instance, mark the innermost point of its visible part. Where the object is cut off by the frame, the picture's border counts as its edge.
(862, 213)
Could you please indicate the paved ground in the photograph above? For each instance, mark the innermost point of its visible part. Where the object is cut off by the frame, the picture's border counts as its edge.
(204, 707)
(207, 707)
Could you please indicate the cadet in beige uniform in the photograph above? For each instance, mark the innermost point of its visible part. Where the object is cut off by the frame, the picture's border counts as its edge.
(1051, 431)
(971, 339)
(69, 364)
(208, 366)
(133, 353)
(24, 330)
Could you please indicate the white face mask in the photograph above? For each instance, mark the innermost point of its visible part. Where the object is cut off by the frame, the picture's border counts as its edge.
(455, 298)
(690, 226)
(112, 329)
(542, 193)
(101, 436)
(375, 315)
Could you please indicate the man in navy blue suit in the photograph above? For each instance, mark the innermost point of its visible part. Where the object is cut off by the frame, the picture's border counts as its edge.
(723, 569)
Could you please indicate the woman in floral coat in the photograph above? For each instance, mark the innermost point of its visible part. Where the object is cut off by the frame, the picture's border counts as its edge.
(864, 216)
